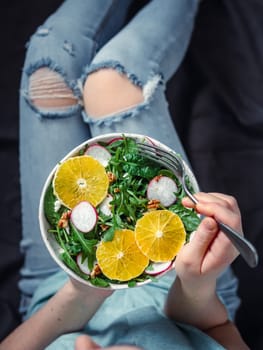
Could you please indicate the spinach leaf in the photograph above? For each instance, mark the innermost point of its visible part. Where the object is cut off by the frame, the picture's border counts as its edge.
(49, 206)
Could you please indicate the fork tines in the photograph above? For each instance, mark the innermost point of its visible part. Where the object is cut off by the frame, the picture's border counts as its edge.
(161, 156)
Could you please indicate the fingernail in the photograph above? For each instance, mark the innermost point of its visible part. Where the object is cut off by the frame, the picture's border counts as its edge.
(209, 224)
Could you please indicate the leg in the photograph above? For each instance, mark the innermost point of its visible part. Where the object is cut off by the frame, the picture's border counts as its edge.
(50, 118)
(131, 97)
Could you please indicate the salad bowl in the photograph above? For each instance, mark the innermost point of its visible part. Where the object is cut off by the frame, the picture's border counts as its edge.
(61, 220)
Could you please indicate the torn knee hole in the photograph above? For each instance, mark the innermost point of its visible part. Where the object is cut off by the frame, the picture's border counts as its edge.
(47, 89)
(107, 91)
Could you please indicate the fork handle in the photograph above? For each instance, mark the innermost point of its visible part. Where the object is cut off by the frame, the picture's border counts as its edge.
(246, 249)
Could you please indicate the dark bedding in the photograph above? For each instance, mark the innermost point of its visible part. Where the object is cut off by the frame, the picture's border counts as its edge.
(217, 104)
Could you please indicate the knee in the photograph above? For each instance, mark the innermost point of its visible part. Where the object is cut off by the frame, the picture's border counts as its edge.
(48, 90)
(107, 91)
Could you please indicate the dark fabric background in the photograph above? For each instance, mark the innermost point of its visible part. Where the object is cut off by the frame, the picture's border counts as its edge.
(18, 20)
(219, 110)
(217, 104)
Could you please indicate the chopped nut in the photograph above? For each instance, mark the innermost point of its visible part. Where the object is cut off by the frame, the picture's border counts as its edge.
(96, 271)
(153, 204)
(158, 177)
(112, 177)
(104, 227)
(63, 221)
(116, 190)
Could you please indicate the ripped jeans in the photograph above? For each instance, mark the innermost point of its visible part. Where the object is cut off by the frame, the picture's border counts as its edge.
(63, 103)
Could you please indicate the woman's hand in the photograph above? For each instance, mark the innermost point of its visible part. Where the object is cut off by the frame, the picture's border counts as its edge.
(209, 252)
(84, 342)
(192, 298)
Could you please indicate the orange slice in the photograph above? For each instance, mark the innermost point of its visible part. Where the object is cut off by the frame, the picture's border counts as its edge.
(121, 259)
(80, 178)
(160, 234)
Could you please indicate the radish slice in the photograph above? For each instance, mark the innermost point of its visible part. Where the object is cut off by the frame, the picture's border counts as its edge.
(83, 265)
(105, 206)
(100, 153)
(157, 268)
(162, 188)
(149, 140)
(84, 216)
(114, 140)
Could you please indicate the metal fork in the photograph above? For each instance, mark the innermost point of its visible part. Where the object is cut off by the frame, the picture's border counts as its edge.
(174, 162)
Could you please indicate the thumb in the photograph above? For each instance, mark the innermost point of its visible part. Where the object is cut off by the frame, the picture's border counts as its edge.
(202, 238)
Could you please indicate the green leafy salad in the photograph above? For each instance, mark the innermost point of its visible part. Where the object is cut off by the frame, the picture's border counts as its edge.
(132, 185)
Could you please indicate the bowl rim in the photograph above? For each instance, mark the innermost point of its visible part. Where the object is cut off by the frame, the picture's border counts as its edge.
(50, 242)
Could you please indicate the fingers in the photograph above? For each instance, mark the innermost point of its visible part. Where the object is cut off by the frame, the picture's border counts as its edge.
(222, 207)
(220, 213)
(220, 198)
(214, 197)
(208, 241)
(208, 251)
(203, 237)
(84, 342)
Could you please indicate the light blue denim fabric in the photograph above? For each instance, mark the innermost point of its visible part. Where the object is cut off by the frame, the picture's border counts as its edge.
(79, 38)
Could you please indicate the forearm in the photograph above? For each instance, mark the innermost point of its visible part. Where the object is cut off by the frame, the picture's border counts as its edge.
(228, 336)
(65, 312)
(203, 309)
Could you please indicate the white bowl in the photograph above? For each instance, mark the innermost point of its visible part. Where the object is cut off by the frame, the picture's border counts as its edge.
(52, 245)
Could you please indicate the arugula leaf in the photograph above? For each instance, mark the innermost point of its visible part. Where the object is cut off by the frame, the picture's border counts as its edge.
(131, 284)
(87, 245)
(99, 282)
(109, 234)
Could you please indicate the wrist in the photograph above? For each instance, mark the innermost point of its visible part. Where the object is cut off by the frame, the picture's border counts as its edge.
(75, 304)
(85, 293)
(200, 290)
(197, 305)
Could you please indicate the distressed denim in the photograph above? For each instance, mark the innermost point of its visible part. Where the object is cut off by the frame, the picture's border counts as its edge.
(79, 38)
